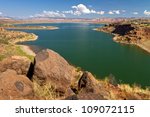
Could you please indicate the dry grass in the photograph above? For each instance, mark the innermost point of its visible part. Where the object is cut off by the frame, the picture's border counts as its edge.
(135, 90)
(122, 91)
(45, 92)
(13, 50)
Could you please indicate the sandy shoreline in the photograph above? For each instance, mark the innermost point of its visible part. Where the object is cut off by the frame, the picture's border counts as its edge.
(140, 45)
(143, 47)
(27, 50)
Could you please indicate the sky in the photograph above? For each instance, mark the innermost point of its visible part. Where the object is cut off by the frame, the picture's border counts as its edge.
(74, 8)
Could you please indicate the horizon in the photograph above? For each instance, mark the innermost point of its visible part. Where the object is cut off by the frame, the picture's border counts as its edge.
(81, 9)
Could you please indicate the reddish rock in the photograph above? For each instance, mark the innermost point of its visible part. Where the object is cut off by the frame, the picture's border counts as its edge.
(13, 86)
(88, 88)
(19, 64)
(51, 68)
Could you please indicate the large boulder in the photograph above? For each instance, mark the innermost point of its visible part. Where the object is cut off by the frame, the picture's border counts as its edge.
(18, 63)
(13, 86)
(87, 88)
(51, 68)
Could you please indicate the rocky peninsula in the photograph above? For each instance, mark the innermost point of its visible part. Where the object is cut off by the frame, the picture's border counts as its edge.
(31, 27)
(47, 75)
(136, 32)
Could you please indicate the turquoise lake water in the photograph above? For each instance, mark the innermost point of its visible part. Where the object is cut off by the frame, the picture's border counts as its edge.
(95, 52)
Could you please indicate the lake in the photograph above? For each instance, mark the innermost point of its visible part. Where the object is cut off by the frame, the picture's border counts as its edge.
(95, 51)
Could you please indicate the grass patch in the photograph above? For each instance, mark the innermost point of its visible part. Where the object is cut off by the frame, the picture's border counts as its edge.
(20, 52)
(1, 57)
(13, 50)
(46, 91)
(4, 41)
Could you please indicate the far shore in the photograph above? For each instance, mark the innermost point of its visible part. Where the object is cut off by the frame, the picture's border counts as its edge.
(32, 27)
(140, 45)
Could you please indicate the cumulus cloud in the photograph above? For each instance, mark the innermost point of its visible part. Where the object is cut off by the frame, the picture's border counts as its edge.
(82, 9)
(135, 13)
(112, 12)
(49, 14)
(1, 13)
(147, 12)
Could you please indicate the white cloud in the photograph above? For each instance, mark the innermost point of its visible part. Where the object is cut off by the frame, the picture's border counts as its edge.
(92, 11)
(115, 12)
(76, 13)
(49, 14)
(135, 13)
(147, 12)
(111, 12)
(1, 13)
(82, 9)
(101, 12)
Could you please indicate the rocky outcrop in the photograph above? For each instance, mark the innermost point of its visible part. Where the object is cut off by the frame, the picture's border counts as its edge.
(19, 64)
(13, 86)
(122, 29)
(88, 88)
(130, 33)
(51, 68)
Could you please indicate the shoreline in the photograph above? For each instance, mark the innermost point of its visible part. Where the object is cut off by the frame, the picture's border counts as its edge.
(32, 28)
(27, 49)
(141, 46)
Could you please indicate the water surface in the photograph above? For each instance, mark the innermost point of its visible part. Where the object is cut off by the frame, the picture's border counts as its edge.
(96, 52)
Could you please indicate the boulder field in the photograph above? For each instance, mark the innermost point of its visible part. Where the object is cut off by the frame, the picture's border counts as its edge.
(17, 75)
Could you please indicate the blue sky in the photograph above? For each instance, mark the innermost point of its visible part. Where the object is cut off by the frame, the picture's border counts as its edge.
(75, 8)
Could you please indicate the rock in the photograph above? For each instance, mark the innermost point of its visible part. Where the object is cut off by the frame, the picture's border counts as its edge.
(2, 29)
(112, 80)
(51, 68)
(13, 86)
(123, 29)
(88, 88)
(19, 64)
